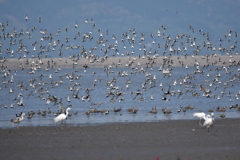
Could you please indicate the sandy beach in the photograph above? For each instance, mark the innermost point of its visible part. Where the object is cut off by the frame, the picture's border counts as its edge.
(218, 60)
(180, 139)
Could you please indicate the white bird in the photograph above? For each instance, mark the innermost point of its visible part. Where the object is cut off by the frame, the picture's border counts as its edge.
(26, 18)
(208, 121)
(61, 116)
(68, 99)
(200, 115)
(20, 103)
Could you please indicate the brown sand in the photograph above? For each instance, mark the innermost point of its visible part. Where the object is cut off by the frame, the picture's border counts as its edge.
(158, 61)
(181, 139)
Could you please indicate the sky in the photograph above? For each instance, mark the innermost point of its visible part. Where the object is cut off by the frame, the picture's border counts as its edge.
(215, 17)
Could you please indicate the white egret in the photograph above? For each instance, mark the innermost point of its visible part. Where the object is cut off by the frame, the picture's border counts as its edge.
(200, 115)
(208, 119)
(62, 116)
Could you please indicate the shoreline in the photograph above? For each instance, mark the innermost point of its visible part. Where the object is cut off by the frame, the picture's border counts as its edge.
(175, 139)
(218, 60)
(115, 123)
(68, 124)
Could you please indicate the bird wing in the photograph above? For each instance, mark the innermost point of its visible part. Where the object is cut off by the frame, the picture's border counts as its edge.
(207, 122)
(200, 115)
(60, 117)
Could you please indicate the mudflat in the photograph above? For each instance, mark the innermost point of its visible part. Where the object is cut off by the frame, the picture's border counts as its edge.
(174, 139)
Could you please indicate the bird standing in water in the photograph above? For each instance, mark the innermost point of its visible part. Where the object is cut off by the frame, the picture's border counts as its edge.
(18, 119)
(61, 116)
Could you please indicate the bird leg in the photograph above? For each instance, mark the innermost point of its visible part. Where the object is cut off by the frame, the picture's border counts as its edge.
(200, 123)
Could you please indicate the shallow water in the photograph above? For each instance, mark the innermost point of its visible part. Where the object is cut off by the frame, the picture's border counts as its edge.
(227, 82)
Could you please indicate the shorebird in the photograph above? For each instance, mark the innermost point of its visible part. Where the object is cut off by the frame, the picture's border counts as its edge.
(26, 18)
(223, 115)
(11, 90)
(44, 113)
(200, 115)
(106, 111)
(30, 115)
(137, 93)
(211, 110)
(151, 98)
(238, 108)
(118, 109)
(154, 110)
(94, 110)
(134, 111)
(166, 111)
(61, 116)
(180, 109)
(68, 99)
(130, 109)
(168, 91)
(88, 112)
(206, 91)
(233, 106)
(165, 98)
(49, 111)
(20, 102)
(189, 107)
(75, 113)
(39, 19)
(18, 119)
(208, 121)
(222, 109)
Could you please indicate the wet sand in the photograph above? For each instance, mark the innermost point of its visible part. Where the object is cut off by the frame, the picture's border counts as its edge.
(180, 139)
(219, 60)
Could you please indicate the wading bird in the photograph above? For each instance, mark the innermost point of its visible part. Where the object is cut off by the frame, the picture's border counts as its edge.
(208, 119)
(18, 119)
(61, 116)
(200, 115)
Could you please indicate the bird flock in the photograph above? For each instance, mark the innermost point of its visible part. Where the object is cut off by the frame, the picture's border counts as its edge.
(129, 71)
